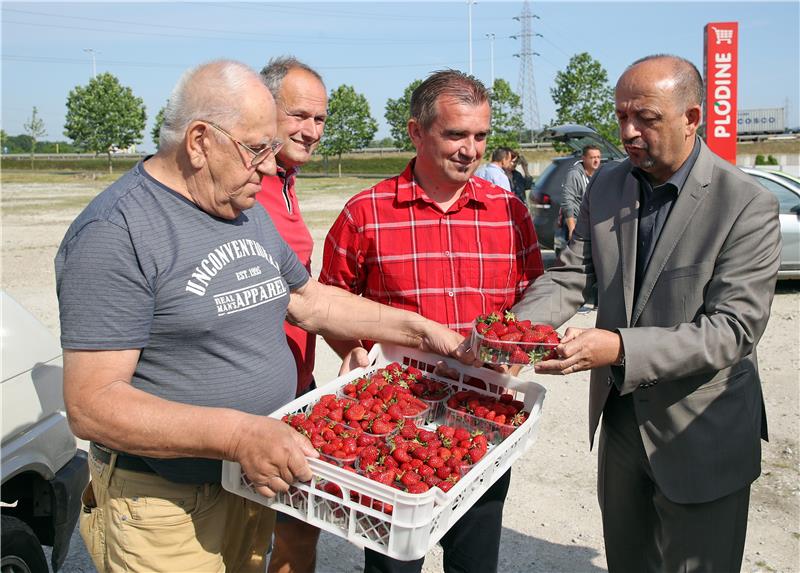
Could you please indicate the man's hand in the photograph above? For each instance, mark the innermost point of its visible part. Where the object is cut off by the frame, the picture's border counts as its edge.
(570, 222)
(358, 357)
(439, 339)
(271, 453)
(583, 349)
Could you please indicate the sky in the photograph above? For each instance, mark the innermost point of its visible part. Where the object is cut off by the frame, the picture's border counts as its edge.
(377, 47)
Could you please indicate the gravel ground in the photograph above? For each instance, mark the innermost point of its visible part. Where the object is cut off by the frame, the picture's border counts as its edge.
(552, 521)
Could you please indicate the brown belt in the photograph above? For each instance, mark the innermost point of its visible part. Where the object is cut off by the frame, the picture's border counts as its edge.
(124, 461)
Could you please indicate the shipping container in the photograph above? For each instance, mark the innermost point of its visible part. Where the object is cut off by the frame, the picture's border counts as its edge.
(766, 120)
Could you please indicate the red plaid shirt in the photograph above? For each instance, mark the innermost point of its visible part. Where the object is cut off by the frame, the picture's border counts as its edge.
(392, 244)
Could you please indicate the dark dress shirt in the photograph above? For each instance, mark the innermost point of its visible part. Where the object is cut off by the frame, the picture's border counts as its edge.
(655, 204)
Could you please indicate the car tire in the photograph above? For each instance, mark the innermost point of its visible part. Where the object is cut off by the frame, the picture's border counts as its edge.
(21, 551)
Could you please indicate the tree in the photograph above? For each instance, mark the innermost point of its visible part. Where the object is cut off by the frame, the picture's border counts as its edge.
(397, 113)
(156, 132)
(34, 128)
(104, 115)
(583, 95)
(349, 126)
(506, 116)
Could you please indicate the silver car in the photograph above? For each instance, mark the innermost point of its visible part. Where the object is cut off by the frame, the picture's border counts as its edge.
(787, 189)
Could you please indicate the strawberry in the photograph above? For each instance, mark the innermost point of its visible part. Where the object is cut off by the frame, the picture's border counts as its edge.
(498, 328)
(518, 356)
(409, 478)
(461, 434)
(418, 487)
(355, 412)
(380, 427)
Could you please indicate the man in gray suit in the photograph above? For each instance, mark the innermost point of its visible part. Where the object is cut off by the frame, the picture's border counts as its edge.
(684, 249)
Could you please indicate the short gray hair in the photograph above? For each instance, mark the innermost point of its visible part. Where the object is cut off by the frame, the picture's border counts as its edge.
(209, 92)
(460, 86)
(276, 69)
(688, 81)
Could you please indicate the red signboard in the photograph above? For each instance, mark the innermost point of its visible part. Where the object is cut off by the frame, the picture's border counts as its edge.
(721, 69)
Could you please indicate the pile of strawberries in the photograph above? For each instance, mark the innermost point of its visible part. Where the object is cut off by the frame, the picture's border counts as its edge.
(410, 379)
(505, 412)
(369, 427)
(381, 403)
(323, 426)
(415, 459)
(500, 338)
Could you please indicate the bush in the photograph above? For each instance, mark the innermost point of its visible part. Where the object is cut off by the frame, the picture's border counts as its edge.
(760, 160)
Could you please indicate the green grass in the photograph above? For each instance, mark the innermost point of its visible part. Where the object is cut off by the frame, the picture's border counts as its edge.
(99, 164)
(57, 176)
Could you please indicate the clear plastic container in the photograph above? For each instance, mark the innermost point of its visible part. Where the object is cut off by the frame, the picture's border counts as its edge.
(507, 352)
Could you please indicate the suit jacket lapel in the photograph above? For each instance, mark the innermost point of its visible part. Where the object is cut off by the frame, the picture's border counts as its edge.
(626, 237)
(682, 212)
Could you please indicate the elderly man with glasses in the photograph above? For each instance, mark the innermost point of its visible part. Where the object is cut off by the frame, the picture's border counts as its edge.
(173, 285)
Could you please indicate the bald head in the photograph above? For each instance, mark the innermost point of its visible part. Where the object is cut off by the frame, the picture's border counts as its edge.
(675, 74)
(657, 103)
(217, 91)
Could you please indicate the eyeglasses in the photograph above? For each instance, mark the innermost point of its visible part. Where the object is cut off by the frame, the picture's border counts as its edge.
(260, 154)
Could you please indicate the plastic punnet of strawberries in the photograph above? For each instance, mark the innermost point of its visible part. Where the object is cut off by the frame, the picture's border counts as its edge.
(387, 388)
(416, 459)
(500, 338)
(503, 413)
(337, 443)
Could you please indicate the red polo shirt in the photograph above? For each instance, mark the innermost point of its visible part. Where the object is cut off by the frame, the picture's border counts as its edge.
(394, 245)
(278, 197)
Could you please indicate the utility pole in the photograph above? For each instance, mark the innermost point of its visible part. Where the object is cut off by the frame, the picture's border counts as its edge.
(527, 85)
(491, 58)
(469, 32)
(94, 63)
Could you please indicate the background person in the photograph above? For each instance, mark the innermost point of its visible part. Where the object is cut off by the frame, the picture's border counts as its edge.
(520, 182)
(573, 189)
(684, 249)
(302, 108)
(173, 285)
(496, 170)
(448, 245)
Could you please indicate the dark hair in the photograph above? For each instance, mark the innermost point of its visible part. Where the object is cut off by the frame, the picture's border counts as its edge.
(688, 81)
(451, 83)
(587, 148)
(501, 153)
(276, 69)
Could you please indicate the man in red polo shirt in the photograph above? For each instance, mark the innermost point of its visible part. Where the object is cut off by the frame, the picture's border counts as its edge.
(448, 245)
(302, 102)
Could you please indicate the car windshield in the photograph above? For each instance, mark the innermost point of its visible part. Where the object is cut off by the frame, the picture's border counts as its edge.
(578, 136)
(542, 180)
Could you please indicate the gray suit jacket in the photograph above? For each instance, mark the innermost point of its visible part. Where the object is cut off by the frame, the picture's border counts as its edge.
(691, 334)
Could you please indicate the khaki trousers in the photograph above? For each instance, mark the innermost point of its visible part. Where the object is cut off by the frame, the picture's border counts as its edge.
(140, 522)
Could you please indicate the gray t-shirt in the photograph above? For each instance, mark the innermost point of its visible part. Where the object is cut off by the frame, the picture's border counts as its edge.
(203, 297)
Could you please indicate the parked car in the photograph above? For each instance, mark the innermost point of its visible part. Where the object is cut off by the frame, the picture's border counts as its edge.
(787, 189)
(545, 197)
(43, 472)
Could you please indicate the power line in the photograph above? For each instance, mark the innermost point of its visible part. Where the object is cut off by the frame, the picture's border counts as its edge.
(236, 34)
(262, 38)
(123, 63)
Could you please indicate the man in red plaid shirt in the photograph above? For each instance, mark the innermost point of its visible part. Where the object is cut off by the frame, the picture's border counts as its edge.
(447, 245)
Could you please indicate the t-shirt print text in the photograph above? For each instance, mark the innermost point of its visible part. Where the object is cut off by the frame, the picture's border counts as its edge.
(216, 261)
(249, 297)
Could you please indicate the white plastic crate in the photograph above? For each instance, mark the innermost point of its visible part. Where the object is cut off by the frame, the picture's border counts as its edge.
(418, 521)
